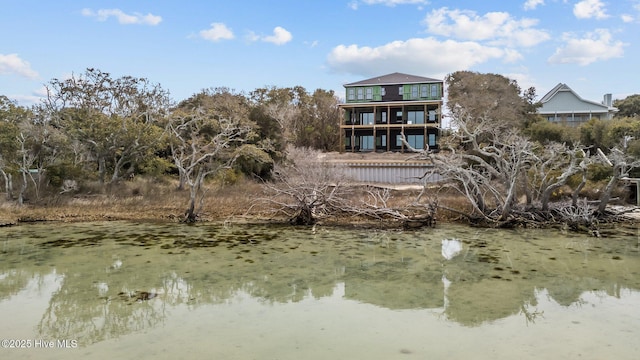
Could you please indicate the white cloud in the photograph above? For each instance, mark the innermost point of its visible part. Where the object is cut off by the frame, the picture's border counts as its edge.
(419, 56)
(123, 18)
(494, 27)
(595, 46)
(217, 32)
(627, 18)
(280, 36)
(588, 9)
(354, 4)
(312, 44)
(13, 64)
(532, 4)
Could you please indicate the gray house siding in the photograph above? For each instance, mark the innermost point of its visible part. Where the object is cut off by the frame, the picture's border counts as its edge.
(567, 101)
(562, 104)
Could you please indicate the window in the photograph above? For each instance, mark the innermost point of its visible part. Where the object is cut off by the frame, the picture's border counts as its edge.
(432, 115)
(366, 142)
(400, 91)
(414, 91)
(351, 94)
(383, 92)
(424, 91)
(432, 140)
(369, 93)
(434, 90)
(366, 118)
(360, 94)
(416, 141)
(383, 117)
(415, 117)
(381, 141)
(399, 116)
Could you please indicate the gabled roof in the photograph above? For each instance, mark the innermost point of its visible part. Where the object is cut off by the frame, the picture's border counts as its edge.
(393, 79)
(564, 87)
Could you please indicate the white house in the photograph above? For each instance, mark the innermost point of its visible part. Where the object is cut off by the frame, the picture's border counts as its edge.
(564, 105)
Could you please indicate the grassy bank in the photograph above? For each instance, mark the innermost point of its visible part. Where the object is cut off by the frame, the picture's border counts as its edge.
(153, 199)
(147, 199)
(139, 199)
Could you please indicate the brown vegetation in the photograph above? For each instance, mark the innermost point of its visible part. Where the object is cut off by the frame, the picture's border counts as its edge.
(145, 199)
(139, 199)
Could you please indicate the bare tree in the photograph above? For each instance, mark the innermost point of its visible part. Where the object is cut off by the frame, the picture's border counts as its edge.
(307, 188)
(494, 168)
(203, 144)
(485, 163)
(621, 164)
(558, 158)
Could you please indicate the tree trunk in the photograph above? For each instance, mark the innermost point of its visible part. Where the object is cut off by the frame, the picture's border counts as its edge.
(304, 216)
(116, 170)
(191, 215)
(608, 190)
(23, 188)
(576, 192)
(8, 185)
(102, 168)
(508, 202)
(182, 178)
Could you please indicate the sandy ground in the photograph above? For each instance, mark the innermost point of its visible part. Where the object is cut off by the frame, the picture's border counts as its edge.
(370, 157)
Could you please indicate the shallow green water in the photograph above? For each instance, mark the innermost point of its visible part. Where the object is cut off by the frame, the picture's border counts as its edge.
(125, 290)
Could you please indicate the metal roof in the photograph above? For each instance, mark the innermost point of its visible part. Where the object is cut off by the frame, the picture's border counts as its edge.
(565, 88)
(393, 79)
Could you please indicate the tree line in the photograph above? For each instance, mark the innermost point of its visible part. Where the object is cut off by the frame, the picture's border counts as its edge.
(94, 127)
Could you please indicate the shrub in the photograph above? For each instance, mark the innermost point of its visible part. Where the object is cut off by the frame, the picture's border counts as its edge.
(598, 172)
(253, 161)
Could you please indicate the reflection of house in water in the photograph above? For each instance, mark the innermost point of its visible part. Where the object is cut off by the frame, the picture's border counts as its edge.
(472, 279)
(387, 285)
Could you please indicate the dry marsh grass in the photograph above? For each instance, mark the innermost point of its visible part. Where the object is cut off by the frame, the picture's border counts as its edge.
(159, 199)
(140, 199)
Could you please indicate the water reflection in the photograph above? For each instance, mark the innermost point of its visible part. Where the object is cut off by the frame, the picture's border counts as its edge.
(101, 281)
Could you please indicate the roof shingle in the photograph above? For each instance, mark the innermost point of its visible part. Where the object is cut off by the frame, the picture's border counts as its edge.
(393, 79)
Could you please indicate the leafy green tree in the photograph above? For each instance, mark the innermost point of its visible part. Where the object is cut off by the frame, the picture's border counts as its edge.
(491, 96)
(607, 134)
(628, 107)
(11, 116)
(116, 122)
(319, 123)
(594, 132)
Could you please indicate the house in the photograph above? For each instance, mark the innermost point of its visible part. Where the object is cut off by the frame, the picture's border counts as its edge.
(563, 105)
(378, 110)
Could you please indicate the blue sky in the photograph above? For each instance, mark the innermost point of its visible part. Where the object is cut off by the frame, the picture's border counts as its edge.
(187, 46)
